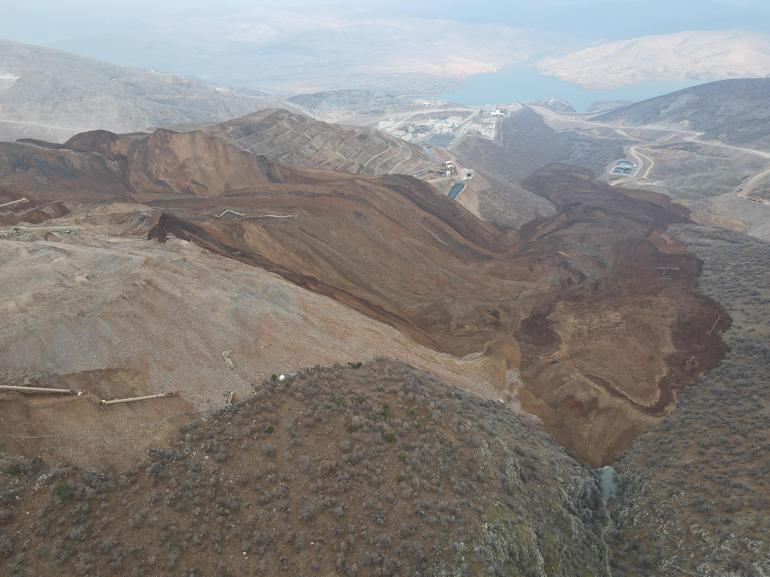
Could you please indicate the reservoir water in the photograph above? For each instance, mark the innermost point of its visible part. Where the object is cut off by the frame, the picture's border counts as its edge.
(456, 189)
(525, 84)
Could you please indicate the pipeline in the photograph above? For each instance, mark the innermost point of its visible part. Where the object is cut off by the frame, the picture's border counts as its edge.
(228, 211)
(40, 390)
(106, 403)
(16, 230)
(14, 202)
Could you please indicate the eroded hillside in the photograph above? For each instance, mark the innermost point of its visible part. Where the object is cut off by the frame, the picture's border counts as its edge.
(543, 310)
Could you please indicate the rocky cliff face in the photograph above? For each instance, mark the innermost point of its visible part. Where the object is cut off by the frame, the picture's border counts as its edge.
(181, 163)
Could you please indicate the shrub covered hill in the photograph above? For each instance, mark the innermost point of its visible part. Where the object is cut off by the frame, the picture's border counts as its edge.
(364, 470)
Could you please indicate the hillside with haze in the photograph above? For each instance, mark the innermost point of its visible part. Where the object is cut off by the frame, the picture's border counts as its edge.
(385, 288)
(733, 111)
(53, 95)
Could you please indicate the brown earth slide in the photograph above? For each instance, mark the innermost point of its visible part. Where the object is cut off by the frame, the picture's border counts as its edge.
(589, 318)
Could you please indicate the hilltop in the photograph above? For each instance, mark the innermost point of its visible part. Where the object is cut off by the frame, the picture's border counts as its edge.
(377, 470)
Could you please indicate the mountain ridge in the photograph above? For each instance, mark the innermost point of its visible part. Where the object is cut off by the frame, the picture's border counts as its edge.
(52, 95)
(733, 111)
(299, 140)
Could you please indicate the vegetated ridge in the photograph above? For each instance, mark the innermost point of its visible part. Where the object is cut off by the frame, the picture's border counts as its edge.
(370, 470)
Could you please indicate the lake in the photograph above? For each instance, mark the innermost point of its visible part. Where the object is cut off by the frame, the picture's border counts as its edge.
(525, 84)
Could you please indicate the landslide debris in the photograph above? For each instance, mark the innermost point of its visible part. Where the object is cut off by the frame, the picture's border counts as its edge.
(702, 476)
(547, 307)
(365, 470)
(550, 305)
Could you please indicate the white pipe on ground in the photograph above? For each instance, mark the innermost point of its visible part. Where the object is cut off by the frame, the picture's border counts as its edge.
(39, 390)
(14, 203)
(105, 403)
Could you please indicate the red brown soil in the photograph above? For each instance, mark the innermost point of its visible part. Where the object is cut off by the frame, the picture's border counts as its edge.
(462, 288)
(592, 307)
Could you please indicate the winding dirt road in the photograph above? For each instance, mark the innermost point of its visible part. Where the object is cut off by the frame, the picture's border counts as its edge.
(645, 163)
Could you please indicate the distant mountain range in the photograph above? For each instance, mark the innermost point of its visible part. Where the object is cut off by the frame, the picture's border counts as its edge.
(53, 95)
(687, 57)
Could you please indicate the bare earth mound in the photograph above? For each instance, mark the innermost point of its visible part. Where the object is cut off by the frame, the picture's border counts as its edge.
(122, 317)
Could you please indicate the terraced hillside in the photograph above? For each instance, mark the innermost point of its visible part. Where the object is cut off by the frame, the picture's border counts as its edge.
(377, 470)
(298, 140)
(357, 107)
(524, 144)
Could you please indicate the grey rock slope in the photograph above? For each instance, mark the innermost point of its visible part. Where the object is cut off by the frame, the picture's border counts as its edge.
(298, 140)
(734, 111)
(53, 95)
(524, 144)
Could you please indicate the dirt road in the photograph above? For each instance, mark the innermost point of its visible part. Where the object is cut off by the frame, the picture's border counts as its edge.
(645, 163)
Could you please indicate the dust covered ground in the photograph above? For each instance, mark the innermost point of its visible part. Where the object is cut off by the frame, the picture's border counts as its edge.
(118, 316)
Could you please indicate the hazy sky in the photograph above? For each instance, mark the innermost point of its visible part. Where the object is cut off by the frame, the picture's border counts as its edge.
(304, 45)
(48, 20)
